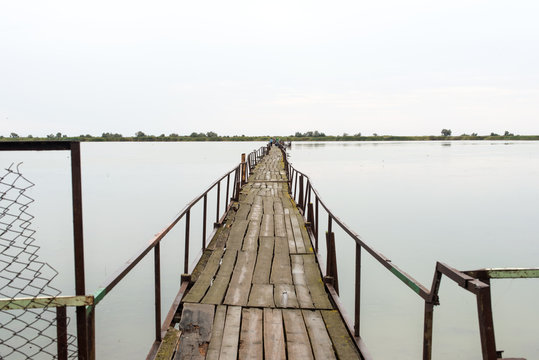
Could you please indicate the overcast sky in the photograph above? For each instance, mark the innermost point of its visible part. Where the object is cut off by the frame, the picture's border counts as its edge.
(269, 68)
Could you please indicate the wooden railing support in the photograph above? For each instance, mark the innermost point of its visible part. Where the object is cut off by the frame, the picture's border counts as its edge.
(331, 267)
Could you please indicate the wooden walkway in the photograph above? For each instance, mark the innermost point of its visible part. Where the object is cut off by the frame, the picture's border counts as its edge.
(257, 290)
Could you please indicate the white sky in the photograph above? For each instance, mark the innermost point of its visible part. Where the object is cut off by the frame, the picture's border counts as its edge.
(269, 68)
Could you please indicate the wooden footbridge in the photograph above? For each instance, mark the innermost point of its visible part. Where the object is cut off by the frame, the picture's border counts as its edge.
(257, 291)
(258, 288)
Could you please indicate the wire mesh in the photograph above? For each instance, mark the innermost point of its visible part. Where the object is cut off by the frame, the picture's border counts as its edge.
(24, 333)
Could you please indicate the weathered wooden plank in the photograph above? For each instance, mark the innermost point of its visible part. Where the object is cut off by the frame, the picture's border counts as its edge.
(305, 300)
(268, 204)
(231, 334)
(342, 342)
(321, 343)
(300, 244)
(251, 335)
(240, 284)
(249, 199)
(237, 232)
(257, 210)
(214, 348)
(220, 238)
(196, 326)
(314, 283)
(297, 340)
(281, 271)
(197, 292)
(277, 202)
(218, 288)
(304, 234)
(280, 227)
(267, 227)
(261, 296)
(168, 345)
(264, 259)
(250, 241)
(201, 264)
(289, 232)
(243, 211)
(284, 296)
(274, 343)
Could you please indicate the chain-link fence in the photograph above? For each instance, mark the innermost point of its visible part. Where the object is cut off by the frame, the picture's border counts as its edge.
(25, 332)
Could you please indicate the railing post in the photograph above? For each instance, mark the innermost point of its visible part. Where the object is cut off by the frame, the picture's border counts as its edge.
(61, 332)
(218, 202)
(157, 280)
(204, 220)
(357, 293)
(227, 200)
(300, 197)
(238, 183)
(186, 255)
(427, 330)
(316, 227)
(486, 324)
(243, 170)
(80, 288)
(310, 216)
(91, 333)
(331, 267)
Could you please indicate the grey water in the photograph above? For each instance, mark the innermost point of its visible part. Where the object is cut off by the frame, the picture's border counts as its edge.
(468, 204)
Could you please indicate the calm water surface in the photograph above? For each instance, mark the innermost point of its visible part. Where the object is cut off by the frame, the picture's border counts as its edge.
(468, 204)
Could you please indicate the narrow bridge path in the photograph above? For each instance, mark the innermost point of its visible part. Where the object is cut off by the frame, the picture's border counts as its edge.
(257, 290)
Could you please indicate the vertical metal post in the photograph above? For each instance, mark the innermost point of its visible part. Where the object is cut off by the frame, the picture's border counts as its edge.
(300, 197)
(316, 226)
(91, 332)
(238, 183)
(427, 330)
(157, 278)
(310, 216)
(80, 288)
(486, 325)
(204, 220)
(332, 261)
(357, 293)
(243, 170)
(218, 201)
(295, 185)
(227, 200)
(186, 256)
(61, 332)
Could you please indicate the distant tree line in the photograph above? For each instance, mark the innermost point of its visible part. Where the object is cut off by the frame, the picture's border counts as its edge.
(446, 134)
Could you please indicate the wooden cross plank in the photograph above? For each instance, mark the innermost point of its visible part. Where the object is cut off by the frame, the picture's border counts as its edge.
(285, 296)
(267, 227)
(197, 292)
(264, 259)
(237, 232)
(218, 288)
(274, 343)
(196, 326)
(261, 296)
(240, 284)
(342, 342)
(321, 343)
(298, 345)
(251, 335)
(231, 334)
(214, 348)
(250, 241)
(281, 271)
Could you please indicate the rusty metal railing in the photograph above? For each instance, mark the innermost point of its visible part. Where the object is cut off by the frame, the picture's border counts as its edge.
(240, 175)
(477, 281)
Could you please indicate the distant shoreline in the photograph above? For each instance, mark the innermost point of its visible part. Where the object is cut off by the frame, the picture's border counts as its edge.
(150, 138)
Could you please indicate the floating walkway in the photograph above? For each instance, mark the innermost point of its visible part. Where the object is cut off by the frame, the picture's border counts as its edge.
(257, 290)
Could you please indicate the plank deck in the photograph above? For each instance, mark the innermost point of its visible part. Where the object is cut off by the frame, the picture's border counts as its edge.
(257, 291)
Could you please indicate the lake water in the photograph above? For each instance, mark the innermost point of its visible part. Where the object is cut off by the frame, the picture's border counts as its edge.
(468, 204)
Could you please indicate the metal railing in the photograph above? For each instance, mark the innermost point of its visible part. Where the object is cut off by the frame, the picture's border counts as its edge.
(310, 204)
(230, 183)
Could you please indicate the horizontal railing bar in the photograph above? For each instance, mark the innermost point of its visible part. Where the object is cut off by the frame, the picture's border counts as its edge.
(45, 301)
(465, 281)
(35, 145)
(504, 273)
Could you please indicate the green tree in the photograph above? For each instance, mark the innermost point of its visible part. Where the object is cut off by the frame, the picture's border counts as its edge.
(507, 133)
(211, 134)
(14, 135)
(140, 134)
(446, 132)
